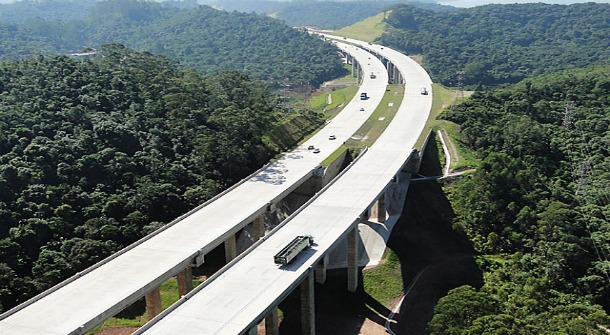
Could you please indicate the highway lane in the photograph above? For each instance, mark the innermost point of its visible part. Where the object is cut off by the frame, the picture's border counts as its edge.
(92, 296)
(241, 295)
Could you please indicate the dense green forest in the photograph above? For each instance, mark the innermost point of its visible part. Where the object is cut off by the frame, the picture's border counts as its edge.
(496, 44)
(321, 14)
(202, 38)
(335, 15)
(96, 153)
(50, 10)
(536, 209)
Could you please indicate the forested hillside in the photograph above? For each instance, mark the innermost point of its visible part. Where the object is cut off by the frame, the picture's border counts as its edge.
(497, 44)
(201, 38)
(50, 10)
(536, 209)
(96, 153)
(335, 15)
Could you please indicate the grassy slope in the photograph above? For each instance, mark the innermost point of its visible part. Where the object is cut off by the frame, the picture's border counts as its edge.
(135, 315)
(319, 102)
(368, 29)
(443, 97)
(368, 133)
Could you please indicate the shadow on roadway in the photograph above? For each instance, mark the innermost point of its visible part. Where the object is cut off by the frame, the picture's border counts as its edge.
(273, 174)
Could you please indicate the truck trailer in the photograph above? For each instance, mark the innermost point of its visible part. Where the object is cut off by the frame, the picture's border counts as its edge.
(292, 250)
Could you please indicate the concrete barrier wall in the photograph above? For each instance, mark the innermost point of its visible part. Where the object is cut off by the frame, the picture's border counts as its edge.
(336, 167)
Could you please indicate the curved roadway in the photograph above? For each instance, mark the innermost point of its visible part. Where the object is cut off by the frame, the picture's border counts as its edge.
(87, 299)
(246, 292)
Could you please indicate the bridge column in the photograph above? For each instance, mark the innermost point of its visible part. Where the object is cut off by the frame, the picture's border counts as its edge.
(352, 260)
(381, 211)
(258, 228)
(321, 270)
(308, 311)
(396, 75)
(253, 331)
(153, 303)
(414, 163)
(366, 215)
(230, 248)
(185, 281)
(272, 323)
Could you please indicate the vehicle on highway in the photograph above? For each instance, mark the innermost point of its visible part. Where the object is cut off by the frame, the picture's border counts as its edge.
(311, 147)
(332, 137)
(424, 91)
(316, 151)
(362, 109)
(373, 76)
(292, 250)
(363, 96)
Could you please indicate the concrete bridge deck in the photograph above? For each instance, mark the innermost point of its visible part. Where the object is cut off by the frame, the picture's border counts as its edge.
(245, 292)
(89, 298)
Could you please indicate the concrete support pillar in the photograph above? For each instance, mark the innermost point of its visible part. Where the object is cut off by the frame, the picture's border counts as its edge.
(321, 270)
(366, 215)
(381, 211)
(153, 303)
(353, 68)
(258, 228)
(185, 281)
(352, 260)
(253, 331)
(230, 248)
(272, 323)
(308, 304)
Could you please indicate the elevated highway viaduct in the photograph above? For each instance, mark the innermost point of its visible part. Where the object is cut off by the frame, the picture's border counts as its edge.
(249, 289)
(87, 299)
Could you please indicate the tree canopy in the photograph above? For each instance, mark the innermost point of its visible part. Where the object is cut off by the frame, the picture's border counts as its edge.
(536, 207)
(496, 44)
(199, 37)
(96, 153)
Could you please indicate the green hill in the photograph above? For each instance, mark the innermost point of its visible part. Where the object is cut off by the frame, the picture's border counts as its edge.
(96, 153)
(335, 15)
(497, 44)
(202, 38)
(535, 209)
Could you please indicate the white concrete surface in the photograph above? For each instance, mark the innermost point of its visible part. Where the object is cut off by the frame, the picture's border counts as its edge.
(241, 295)
(100, 292)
